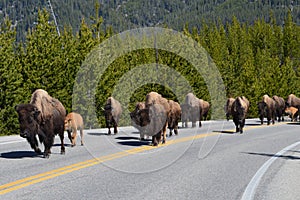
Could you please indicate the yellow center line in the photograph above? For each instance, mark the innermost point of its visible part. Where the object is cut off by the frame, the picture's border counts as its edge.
(9, 187)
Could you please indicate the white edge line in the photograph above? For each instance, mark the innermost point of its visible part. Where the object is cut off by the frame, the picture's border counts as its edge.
(251, 187)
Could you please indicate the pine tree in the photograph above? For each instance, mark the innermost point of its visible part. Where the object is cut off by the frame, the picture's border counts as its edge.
(10, 79)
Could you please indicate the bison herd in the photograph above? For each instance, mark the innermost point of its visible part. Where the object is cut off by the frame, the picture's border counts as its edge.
(44, 117)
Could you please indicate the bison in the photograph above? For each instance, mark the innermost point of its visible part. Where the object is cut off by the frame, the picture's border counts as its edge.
(292, 112)
(194, 109)
(74, 122)
(43, 117)
(262, 111)
(185, 112)
(280, 106)
(270, 109)
(239, 112)
(112, 112)
(204, 108)
(157, 126)
(227, 107)
(294, 101)
(174, 116)
(161, 110)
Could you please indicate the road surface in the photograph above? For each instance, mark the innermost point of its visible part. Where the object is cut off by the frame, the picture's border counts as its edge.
(207, 163)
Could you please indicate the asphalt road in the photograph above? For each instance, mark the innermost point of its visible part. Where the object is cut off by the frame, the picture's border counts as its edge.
(206, 163)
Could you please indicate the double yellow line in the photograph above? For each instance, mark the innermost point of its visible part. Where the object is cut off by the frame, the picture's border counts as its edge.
(12, 186)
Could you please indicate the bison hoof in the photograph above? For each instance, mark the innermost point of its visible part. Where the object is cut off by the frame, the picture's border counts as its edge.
(38, 151)
(46, 155)
(155, 144)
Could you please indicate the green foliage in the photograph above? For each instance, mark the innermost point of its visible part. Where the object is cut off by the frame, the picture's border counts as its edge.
(253, 60)
(10, 79)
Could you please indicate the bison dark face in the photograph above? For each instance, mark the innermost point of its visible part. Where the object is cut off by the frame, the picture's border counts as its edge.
(28, 116)
(28, 119)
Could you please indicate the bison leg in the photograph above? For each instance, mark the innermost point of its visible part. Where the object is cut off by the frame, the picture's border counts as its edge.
(200, 124)
(81, 136)
(70, 137)
(164, 133)
(34, 144)
(74, 137)
(154, 140)
(115, 129)
(48, 142)
(170, 133)
(242, 124)
(62, 145)
(176, 130)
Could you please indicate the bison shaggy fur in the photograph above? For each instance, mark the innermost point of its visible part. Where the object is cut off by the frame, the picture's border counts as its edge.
(279, 107)
(270, 108)
(239, 112)
(112, 112)
(174, 116)
(228, 106)
(43, 117)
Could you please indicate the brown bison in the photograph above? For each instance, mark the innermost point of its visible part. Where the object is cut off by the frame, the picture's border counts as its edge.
(280, 106)
(161, 111)
(185, 112)
(239, 112)
(157, 123)
(74, 122)
(227, 107)
(270, 105)
(112, 112)
(43, 117)
(194, 109)
(262, 111)
(174, 116)
(294, 101)
(292, 112)
(140, 118)
(204, 107)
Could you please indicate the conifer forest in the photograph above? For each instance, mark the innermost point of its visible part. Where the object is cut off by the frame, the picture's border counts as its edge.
(254, 45)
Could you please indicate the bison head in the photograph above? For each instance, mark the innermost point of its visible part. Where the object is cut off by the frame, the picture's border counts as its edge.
(28, 116)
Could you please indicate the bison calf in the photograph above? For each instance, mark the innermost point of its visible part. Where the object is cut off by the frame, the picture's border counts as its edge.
(74, 122)
(292, 112)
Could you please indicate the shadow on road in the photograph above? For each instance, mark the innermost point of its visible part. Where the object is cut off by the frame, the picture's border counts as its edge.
(293, 123)
(97, 134)
(287, 157)
(132, 141)
(127, 138)
(227, 132)
(20, 154)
